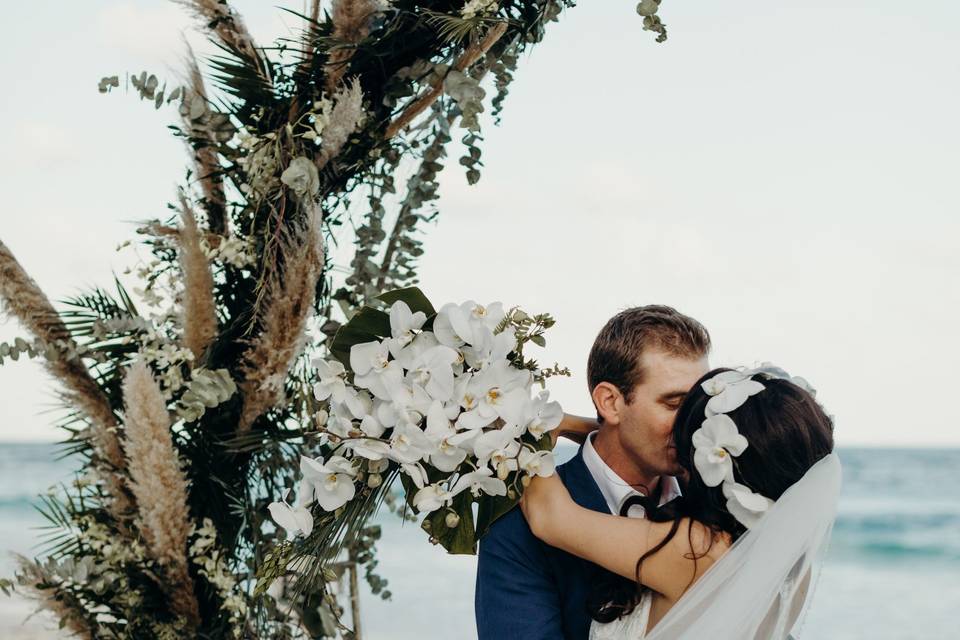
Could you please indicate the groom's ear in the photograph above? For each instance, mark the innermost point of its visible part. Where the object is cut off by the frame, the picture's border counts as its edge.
(608, 400)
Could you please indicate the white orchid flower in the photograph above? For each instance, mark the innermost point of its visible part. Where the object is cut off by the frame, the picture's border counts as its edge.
(340, 423)
(331, 384)
(489, 315)
(729, 390)
(443, 326)
(409, 401)
(406, 355)
(431, 497)
(715, 385)
(499, 448)
(408, 444)
(404, 322)
(353, 405)
(458, 324)
(385, 413)
(772, 370)
(544, 415)
(297, 521)
(479, 481)
(446, 456)
(374, 370)
(416, 473)
(537, 463)
(332, 481)
(745, 505)
(369, 449)
(464, 396)
(500, 391)
(433, 370)
(371, 427)
(714, 442)
(490, 348)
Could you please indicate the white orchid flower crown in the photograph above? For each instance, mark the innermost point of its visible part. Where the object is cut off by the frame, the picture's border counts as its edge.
(718, 440)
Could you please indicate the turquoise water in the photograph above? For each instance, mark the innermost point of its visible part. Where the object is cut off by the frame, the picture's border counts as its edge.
(893, 571)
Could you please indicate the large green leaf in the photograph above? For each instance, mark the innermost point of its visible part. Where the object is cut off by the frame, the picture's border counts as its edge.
(461, 539)
(366, 325)
(414, 298)
(490, 509)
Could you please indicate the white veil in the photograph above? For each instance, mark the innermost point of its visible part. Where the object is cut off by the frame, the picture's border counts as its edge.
(760, 589)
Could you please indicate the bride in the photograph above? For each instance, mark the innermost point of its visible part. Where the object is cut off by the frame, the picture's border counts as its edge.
(736, 556)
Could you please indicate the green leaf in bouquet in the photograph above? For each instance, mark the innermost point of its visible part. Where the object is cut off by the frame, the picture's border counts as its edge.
(414, 298)
(491, 509)
(366, 325)
(461, 539)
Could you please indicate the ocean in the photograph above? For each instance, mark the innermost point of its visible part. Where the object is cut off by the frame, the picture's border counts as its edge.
(892, 573)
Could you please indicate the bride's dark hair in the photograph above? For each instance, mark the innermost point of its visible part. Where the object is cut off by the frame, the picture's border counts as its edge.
(787, 433)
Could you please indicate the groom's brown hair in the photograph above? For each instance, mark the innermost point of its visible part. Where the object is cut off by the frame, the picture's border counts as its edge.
(615, 356)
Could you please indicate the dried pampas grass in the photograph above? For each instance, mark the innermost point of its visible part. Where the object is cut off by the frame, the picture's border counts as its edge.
(24, 299)
(159, 485)
(199, 317)
(289, 305)
(226, 23)
(205, 157)
(345, 117)
(351, 25)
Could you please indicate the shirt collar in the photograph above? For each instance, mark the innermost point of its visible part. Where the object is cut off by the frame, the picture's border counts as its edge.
(614, 489)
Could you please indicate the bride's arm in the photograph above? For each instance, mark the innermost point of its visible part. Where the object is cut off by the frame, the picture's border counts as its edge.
(575, 428)
(617, 543)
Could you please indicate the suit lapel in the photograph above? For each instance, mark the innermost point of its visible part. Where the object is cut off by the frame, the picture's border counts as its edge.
(581, 485)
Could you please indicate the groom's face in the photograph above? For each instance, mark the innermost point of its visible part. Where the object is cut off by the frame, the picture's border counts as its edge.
(646, 426)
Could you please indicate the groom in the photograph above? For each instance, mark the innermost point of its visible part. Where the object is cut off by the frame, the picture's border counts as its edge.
(641, 366)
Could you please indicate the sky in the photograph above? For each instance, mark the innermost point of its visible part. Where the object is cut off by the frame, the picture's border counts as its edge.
(783, 172)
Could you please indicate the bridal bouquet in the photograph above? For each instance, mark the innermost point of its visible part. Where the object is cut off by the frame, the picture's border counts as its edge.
(443, 401)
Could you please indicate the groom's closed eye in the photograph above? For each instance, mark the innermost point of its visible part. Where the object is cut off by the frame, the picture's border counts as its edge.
(672, 400)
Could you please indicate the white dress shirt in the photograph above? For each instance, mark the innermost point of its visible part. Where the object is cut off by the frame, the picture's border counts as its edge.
(615, 490)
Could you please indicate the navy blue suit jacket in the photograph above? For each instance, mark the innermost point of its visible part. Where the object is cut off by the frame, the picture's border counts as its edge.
(527, 590)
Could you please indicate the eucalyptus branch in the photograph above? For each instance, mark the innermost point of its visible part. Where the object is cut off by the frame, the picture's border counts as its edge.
(469, 57)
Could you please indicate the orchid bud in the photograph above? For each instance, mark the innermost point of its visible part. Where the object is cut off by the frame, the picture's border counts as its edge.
(503, 471)
(374, 480)
(452, 520)
(525, 481)
(511, 494)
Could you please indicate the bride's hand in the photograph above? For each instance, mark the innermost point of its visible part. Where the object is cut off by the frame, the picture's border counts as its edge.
(544, 503)
(575, 428)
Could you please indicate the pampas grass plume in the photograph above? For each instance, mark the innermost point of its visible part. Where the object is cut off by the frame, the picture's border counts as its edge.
(199, 317)
(159, 485)
(289, 305)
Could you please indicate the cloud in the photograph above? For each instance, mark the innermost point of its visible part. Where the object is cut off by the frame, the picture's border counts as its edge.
(36, 145)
